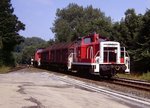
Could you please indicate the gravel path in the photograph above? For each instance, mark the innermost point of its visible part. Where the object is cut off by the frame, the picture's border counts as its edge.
(29, 88)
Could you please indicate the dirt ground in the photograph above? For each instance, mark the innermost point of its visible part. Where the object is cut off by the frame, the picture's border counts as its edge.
(25, 89)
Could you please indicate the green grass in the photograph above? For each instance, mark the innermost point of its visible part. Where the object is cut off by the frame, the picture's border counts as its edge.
(144, 76)
(4, 69)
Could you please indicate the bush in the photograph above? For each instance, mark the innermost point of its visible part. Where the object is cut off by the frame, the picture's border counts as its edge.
(4, 69)
(145, 76)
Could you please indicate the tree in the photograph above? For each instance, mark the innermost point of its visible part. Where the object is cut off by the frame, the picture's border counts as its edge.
(25, 51)
(9, 28)
(127, 32)
(33, 41)
(50, 42)
(143, 52)
(133, 33)
(28, 53)
(128, 29)
(75, 21)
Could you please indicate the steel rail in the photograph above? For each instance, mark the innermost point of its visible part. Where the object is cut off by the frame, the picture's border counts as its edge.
(126, 97)
(138, 84)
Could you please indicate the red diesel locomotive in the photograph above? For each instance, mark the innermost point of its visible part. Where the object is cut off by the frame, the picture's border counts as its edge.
(92, 53)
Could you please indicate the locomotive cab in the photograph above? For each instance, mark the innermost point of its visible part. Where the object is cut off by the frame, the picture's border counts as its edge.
(98, 55)
(87, 48)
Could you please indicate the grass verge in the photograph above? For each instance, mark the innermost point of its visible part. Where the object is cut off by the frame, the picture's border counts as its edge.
(4, 69)
(144, 76)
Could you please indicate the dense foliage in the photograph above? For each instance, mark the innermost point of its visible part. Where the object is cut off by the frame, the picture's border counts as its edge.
(75, 21)
(9, 28)
(133, 31)
(25, 51)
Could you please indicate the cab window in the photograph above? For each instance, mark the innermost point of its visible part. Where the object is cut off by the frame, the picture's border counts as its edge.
(88, 40)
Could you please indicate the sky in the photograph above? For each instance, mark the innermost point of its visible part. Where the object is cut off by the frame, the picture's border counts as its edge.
(39, 15)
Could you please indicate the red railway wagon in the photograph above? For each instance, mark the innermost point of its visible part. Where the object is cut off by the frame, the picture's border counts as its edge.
(45, 57)
(54, 55)
(92, 53)
(60, 52)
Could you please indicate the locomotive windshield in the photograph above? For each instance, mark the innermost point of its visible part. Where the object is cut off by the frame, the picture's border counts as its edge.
(110, 54)
(88, 40)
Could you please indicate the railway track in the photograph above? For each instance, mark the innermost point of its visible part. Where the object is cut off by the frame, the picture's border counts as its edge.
(130, 87)
(129, 83)
(138, 84)
(144, 103)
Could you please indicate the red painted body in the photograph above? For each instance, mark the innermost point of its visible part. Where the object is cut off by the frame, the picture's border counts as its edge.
(84, 54)
(59, 53)
(87, 45)
(55, 54)
(38, 54)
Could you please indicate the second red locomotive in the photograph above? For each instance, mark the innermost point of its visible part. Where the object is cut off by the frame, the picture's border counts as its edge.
(92, 53)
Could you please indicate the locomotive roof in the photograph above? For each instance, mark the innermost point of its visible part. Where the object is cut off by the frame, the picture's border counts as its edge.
(39, 50)
(61, 46)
